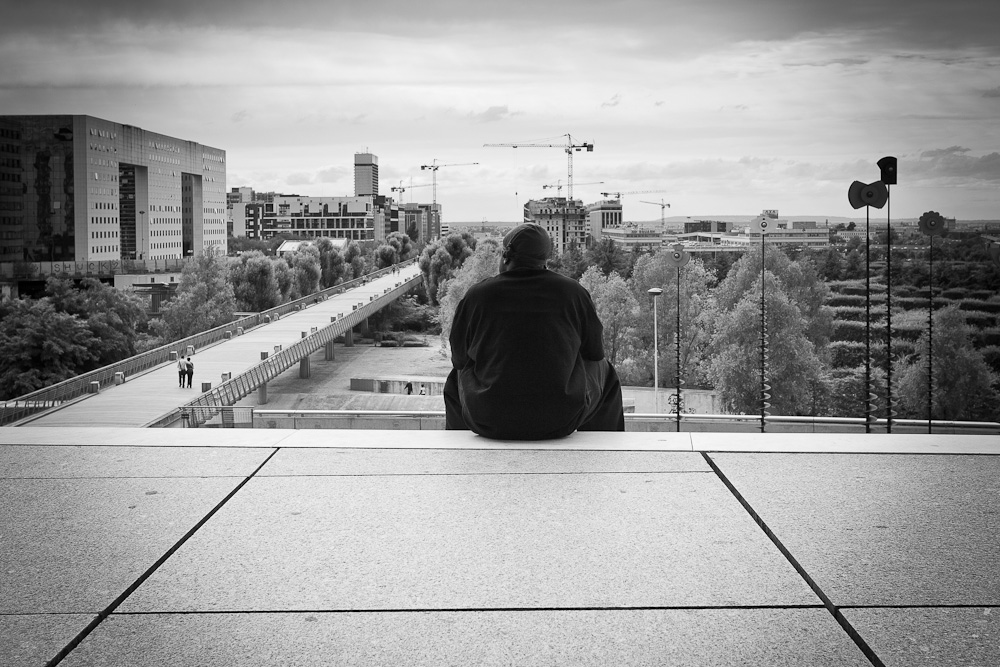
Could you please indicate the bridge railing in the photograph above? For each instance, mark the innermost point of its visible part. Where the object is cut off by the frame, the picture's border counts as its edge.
(257, 417)
(55, 395)
(209, 404)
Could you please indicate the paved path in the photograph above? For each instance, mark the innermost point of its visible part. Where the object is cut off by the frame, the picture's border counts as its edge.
(268, 547)
(144, 398)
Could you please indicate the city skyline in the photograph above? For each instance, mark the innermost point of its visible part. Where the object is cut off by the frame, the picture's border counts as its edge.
(717, 107)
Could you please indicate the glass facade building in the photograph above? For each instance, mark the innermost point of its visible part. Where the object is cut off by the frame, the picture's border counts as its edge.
(77, 188)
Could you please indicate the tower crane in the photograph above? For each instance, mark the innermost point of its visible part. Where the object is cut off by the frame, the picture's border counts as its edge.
(434, 166)
(618, 195)
(401, 189)
(569, 147)
(559, 186)
(663, 206)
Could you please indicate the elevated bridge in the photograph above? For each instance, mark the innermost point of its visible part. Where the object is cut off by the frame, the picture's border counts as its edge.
(238, 363)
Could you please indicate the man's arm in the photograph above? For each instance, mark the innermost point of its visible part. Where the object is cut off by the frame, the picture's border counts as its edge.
(592, 336)
(459, 337)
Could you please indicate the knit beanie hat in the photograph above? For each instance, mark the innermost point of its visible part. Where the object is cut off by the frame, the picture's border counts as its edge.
(527, 245)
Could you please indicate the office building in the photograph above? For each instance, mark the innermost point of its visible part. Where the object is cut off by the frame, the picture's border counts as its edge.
(365, 175)
(77, 188)
(351, 218)
(603, 215)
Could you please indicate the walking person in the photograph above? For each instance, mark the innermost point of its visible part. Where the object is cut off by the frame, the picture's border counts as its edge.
(190, 371)
(181, 371)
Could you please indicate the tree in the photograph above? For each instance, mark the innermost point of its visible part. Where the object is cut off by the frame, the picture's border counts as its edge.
(831, 264)
(385, 255)
(41, 346)
(284, 277)
(333, 268)
(255, 286)
(963, 383)
(799, 281)
(607, 256)
(735, 366)
(482, 264)
(204, 298)
(114, 317)
(354, 257)
(570, 263)
(439, 261)
(401, 243)
(696, 282)
(616, 307)
(306, 270)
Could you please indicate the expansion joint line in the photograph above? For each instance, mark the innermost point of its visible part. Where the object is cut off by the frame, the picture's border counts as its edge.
(827, 602)
(110, 609)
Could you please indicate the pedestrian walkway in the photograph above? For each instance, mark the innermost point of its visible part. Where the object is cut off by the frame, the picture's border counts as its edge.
(144, 398)
(276, 547)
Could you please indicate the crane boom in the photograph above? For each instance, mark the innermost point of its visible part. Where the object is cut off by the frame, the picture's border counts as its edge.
(434, 166)
(569, 147)
(663, 206)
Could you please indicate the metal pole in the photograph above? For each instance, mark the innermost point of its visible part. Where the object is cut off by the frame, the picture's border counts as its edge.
(890, 412)
(930, 334)
(655, 292)
(677, 338)
(868, 324)
(763, 341)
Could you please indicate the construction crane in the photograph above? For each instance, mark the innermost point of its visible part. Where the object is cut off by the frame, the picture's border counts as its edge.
(619, 195)
(663, 206)
(401, 189)
(559, 186)
(569, 147)
(434, 166)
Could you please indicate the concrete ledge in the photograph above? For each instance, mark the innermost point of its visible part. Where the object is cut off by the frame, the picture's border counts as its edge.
(436, 439)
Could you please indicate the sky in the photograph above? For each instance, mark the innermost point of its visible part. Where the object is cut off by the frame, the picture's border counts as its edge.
(717, 107)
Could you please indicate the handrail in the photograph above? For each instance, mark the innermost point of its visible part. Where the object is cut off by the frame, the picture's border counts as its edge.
(781, 422)
(55, 395)
(209, 404)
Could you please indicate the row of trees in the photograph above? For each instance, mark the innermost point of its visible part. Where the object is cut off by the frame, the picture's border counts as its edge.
(71, 330)
(720, 331)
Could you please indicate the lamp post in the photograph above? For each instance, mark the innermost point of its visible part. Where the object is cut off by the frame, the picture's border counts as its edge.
(655, 292)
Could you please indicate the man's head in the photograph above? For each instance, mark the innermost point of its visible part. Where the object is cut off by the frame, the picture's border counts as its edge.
(525, 246)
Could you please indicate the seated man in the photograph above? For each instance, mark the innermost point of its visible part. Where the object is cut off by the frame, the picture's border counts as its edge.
(527, 353)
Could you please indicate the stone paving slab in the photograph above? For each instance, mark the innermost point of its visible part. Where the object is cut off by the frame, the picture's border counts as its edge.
(34, 639)
(482, 541)
(882, 529)
(458, 462)
(142, 437)
(49, 462)
(598, 638)
(74, 545)
(926, 637)
(855, 443)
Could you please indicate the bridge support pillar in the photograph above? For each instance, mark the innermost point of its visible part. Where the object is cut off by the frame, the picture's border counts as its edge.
(349, 338)
(364, 327)
(262, 394)
(328, 354)
(304, 368)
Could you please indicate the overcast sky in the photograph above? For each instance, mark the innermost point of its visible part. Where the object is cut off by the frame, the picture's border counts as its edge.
(722, 107)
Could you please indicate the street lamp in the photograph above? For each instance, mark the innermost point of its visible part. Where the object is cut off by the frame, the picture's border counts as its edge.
(655, 292)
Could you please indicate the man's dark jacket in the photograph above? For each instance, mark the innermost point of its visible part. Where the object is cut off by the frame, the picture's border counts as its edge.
(518, 342)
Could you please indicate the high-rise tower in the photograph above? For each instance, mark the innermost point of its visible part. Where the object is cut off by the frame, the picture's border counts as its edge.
(365, 175)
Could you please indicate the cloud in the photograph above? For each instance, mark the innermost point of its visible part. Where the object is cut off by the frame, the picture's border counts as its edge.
(993, 92)
(240, 116)
(944, 152)
(955, 165)
(493, 114)
(613, 102)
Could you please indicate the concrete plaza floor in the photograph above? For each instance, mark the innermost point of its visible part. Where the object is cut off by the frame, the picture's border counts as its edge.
(272, 547)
